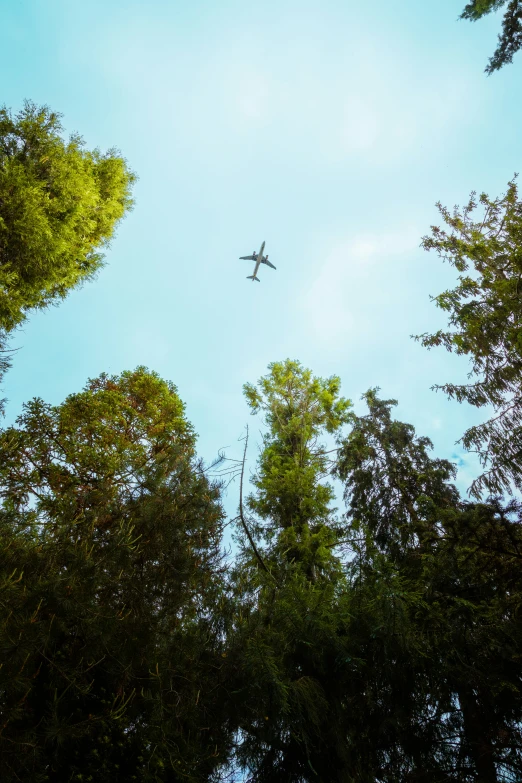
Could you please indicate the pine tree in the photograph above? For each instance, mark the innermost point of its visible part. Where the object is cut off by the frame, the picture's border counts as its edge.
(291, 615)
(394, 491)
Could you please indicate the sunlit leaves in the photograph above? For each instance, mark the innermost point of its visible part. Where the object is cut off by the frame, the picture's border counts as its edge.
(485, 316)
(291, 491)
(59, 206)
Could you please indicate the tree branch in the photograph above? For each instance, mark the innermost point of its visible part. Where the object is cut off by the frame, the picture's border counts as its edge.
(241, 515)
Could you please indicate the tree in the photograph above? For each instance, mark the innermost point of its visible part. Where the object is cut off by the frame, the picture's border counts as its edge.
(446, 576)
(111, 637)
(474, 591)
(289, 647)
(485, 310)
(392, 486)
(59, 205)
(290, 494)
(510, 41)
(394, 491)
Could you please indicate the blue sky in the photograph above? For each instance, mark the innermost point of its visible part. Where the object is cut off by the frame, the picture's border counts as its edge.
(329, 129)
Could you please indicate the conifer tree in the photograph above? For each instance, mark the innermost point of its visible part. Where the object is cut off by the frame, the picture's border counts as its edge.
(291, 493)
(473, 589)
(485, 313)
(59, 206)
(392, 486)
(111, 639)
(446, 576)
(304, 703)
(393, 492)
(510, 40)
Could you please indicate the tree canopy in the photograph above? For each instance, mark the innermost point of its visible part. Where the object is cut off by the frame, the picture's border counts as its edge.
(109, 566)
(394, 658)
(59, 206)
(485, 311)
(510, 39)
(441, 577)
(292, 616)
(377, 645)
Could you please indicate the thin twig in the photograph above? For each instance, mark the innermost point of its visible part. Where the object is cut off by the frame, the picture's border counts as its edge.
(241, 516)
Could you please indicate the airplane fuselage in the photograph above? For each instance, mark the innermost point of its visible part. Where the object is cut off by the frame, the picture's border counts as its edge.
(259, 259)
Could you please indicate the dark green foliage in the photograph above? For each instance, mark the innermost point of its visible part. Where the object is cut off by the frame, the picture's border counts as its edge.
(383, 647)
(288, 657)
(109, 560)
(289, 644)
(59, 205)
(125, 659)
(485, 310)
(476, 9)
(392, 486)
(474, 587)
(445, 578)
(400, 663)
(510, 40)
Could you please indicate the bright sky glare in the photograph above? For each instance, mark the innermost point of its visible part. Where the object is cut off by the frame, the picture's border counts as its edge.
(328, 128)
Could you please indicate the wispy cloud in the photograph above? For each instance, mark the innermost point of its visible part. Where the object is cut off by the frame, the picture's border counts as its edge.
(335, 306)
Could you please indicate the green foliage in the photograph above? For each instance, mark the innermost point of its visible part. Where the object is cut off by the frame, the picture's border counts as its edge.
(476, 9)
(291, 617)
(125, 657)
(59, 204)
(109, 558)
(385, 647)
(392, 486)
(510, 40)
(295, 403)
(486, 313)
(296, 670)
(473, 637)
(441, 578)
(291, 493)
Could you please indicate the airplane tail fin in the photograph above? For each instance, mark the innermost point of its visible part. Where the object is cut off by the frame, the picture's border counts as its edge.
(253, 277)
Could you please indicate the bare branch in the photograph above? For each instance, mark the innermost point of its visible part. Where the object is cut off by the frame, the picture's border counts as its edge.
(241, 515)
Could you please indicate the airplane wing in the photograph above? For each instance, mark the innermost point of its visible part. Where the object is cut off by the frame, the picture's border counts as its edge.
(247, 258)
(268, 263)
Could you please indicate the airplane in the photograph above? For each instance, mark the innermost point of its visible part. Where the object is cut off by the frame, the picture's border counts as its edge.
(259, 259)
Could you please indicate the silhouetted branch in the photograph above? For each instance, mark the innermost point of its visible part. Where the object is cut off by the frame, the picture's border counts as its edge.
(241, 515)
